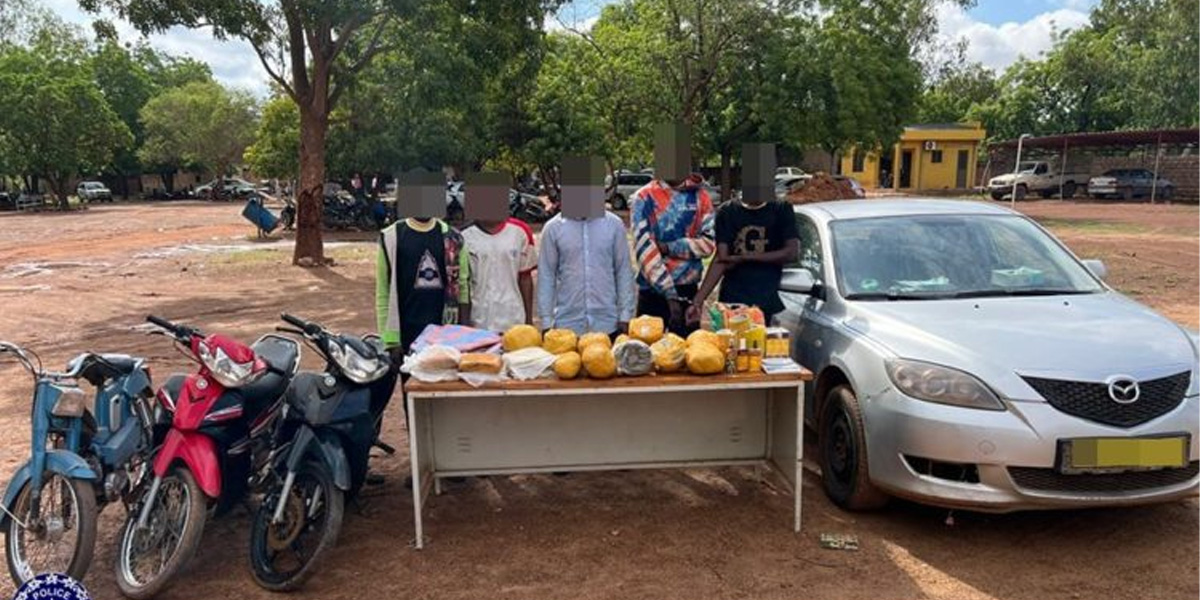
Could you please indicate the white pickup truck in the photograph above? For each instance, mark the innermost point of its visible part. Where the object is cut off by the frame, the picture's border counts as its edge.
(1036, 177)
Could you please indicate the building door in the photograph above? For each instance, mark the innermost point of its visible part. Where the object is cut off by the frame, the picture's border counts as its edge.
(960, 179)
(906, 159)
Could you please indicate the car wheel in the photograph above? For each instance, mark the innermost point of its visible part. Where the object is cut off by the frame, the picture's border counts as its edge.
(997, 195)
(1068, 190)
(619, 202)
(1022, 190)
(1167, 193)
(844, 470)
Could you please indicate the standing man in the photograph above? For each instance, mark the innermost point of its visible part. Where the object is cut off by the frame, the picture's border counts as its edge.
(585, 277)
(672, 220)
(501, 253)
(756, 237)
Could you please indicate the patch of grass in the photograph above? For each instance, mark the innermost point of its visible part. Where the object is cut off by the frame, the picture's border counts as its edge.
(354, 253)
(1059, 225)
(247, 257)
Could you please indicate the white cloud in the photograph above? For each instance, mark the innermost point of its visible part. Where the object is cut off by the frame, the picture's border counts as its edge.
(998, 46)
(561, 23)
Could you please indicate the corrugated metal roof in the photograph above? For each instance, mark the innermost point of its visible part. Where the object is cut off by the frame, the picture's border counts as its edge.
(1108, 138)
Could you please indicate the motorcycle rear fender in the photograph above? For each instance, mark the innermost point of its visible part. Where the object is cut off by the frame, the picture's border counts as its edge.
(325, 445)
(61, 462)
(198, 453)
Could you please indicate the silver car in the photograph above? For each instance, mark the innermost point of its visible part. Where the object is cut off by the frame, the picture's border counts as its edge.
(966, 358)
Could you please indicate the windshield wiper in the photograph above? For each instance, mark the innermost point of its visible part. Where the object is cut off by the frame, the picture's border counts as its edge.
(895, 296)
(1020, 292)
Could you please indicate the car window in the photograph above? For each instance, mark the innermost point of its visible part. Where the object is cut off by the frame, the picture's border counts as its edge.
(1041, 169)
(810, 254)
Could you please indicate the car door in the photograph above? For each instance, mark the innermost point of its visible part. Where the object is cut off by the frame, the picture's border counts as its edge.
(802, 315)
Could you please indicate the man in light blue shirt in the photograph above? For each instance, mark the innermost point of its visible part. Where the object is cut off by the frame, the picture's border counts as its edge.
(585, 275)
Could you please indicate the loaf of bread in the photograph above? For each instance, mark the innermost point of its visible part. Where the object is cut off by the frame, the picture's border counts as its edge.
(478, 362)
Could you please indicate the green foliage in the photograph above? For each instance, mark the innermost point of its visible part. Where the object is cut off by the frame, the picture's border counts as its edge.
(56, 122)
(200, 123)
(276, 148)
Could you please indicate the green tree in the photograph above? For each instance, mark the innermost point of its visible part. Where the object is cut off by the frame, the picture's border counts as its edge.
(56, 123)
(276, 148)
(199, 123)
(955, 88)
(127, 86)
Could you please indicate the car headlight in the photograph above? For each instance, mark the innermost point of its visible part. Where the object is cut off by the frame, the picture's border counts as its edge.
(935, 383)
(357, 368)
(227, 371)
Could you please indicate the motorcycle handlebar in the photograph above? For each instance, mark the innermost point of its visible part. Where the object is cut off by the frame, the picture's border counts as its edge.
(180, 332)
(307, 327)
(161, 322)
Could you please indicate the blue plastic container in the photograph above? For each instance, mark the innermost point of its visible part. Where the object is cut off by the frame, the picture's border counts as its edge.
(258, 214)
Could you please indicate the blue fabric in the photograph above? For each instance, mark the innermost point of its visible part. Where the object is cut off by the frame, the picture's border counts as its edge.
(585, 274)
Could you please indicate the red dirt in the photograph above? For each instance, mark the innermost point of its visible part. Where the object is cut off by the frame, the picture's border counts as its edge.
(822, 187)
(655, 534)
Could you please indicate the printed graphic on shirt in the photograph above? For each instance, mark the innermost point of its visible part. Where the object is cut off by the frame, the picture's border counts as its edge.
(751, 238)
(427, 277)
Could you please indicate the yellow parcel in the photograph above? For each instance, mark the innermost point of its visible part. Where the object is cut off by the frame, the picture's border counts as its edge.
(521, 336)
(559, 341)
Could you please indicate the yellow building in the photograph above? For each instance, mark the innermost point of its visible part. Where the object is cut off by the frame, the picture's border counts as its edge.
(935, 156)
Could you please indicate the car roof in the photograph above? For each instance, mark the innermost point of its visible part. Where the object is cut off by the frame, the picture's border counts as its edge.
(866, 209)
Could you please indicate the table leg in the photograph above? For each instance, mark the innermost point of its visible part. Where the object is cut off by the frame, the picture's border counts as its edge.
(414, 460)
(799, 487)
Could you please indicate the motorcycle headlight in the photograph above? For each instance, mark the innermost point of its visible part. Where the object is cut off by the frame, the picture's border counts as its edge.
(935, 383)
(71, 402)
(228, 372)
(357, 368)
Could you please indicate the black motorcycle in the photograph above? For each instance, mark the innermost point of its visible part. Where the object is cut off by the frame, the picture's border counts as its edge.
(340, 211)
(329, 424)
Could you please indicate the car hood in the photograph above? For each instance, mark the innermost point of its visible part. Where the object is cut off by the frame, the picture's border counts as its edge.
(1086, 337)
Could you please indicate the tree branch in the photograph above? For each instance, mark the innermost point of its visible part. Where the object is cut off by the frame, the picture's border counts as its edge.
(262, 58)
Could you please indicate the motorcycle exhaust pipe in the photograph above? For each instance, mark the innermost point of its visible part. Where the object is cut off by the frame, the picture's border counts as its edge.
(288, 481)
(144, 515)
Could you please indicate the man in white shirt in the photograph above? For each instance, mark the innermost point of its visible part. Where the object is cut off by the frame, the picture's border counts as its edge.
(502, 249)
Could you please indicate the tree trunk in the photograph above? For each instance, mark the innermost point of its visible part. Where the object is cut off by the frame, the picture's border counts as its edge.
(310, 195)
(58, 188)
(726, 174)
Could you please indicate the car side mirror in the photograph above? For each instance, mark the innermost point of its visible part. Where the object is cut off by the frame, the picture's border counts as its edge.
(799, 281)
(1096, 267)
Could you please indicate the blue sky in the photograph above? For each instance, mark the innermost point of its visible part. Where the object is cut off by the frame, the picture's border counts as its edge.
(997, 31)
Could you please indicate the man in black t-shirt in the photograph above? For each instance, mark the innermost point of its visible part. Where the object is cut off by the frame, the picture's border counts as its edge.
(755, 237)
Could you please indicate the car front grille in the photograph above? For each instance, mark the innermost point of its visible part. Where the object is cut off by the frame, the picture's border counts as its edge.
(1050, 480)
(1090, 400)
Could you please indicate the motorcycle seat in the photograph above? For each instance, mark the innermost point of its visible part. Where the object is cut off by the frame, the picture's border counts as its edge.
(123, 363)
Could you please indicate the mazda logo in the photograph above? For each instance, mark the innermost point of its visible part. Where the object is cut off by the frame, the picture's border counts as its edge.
(1123, 389)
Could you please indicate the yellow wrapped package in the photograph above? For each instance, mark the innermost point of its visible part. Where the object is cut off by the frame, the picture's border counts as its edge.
(707, 337)
(704, 359)
(669, 353)
(558, 341)
(647, 329)
(567, 365)
(587, 339)
(598, 361)
(521, 336)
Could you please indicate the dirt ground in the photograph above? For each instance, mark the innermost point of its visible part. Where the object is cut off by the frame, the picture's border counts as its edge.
(76, 282)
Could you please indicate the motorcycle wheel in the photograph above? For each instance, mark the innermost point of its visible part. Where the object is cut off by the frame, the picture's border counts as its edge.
(68, 514)
(288, 218)
(284, 555)
(149, 559)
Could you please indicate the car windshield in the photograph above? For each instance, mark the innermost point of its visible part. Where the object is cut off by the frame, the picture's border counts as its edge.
(929, 257)
(1027, 167)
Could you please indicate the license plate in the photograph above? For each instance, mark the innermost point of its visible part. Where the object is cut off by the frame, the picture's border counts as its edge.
(1092, 454)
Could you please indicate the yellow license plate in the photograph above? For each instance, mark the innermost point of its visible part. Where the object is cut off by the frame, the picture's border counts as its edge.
(1115, 453)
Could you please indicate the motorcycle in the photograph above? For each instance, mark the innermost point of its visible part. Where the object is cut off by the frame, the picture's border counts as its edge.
(331, 420)
(528, 208)
(81, 459)
(214, 452)
(344, 211)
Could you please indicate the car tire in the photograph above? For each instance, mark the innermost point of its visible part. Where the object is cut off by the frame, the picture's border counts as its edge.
(996, 195)
(1068, 190)
(844, 468)
(1022, 191)
(619, 202)
(1167, 193)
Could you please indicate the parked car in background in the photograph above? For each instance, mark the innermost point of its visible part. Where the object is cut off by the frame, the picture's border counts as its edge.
(789, 172)
(231, 188)
(859, 190)
(93, 191)
(623, 185)
(965, 358)
(784, 185)
(1129, 183)
(1036, 177)
(6, 202)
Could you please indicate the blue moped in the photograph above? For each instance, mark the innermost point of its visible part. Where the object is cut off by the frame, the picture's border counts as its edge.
(83, 457)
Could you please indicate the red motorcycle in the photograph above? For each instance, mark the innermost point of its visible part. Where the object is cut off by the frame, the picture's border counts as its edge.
(218, 439)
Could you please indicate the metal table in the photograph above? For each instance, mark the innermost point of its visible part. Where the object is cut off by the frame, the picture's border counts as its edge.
(651, 422)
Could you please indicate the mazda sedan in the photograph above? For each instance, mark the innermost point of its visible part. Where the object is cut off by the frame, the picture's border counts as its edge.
(966, 358)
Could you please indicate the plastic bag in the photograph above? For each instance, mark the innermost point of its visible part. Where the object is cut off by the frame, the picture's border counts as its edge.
(528, 363)
(521, 336)
(669, 353)
(647, 329)
(594, 338)
(708, 337)
(633, 358)
(598, 361)
(558, 341)
(433, 364)
(567, 365)
(481, 379)
(705, 359)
